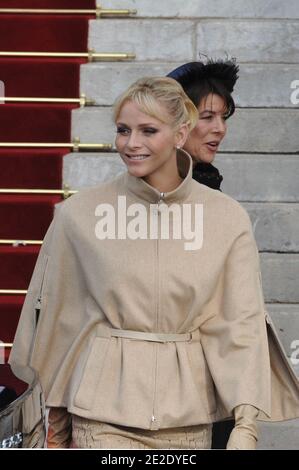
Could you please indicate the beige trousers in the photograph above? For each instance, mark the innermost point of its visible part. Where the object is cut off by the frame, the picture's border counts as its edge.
(88, 434)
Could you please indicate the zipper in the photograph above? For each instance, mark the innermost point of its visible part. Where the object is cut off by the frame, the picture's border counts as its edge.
(38, 303)
(154, 422)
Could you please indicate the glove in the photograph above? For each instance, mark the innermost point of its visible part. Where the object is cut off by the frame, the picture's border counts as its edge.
(59, 428)
(244, 434)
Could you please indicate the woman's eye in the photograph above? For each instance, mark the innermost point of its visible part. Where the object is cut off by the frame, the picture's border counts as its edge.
(150, 130)
(122, 130)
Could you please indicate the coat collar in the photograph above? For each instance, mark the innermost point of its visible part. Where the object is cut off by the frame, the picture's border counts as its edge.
(145, 191)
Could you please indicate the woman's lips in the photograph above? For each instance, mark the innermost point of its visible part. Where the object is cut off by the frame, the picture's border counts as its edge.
(136, 158)
(212, 146)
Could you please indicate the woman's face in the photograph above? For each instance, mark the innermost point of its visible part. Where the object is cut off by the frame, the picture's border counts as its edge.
(147, 145)
(205, 138)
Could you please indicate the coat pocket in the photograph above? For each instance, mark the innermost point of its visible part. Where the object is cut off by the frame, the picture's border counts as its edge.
(92, 373)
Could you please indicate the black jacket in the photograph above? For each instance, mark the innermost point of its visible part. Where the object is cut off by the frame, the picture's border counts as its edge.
(206, 173)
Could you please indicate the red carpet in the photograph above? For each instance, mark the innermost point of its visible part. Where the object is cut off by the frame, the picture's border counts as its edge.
(28, 216)
(70, 4)
(31, 168)
(47, 78)
(38, 33)
(17, 265)
(35, 122)
(10, 306)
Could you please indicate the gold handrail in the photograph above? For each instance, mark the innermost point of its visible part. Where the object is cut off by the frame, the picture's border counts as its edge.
(13, 292)
(90, 55)
(66, 192)
(98, 12)
(20, 242)
(82, 101)
(6, 345)
(76, 146)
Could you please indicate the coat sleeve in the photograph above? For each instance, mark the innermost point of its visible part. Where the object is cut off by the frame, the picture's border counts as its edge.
(25, 333)
(233, 333)
(56, 292)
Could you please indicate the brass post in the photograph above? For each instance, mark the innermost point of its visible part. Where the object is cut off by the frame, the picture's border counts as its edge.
(90, 55)
(12, 292)
(17, 243)
(98, 12)
(71, 145)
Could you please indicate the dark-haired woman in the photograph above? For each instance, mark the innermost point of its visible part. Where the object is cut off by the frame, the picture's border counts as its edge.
(209, 86)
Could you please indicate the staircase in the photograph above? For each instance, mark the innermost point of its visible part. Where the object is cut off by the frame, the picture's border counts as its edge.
(258, 159)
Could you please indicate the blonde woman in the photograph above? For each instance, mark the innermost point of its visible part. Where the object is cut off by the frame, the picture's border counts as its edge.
(150, 320)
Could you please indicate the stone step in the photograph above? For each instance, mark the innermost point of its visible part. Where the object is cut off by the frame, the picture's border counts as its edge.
(267, 85)
(256, 177)
(273, 41)
(276, 226)
(205, 8)
(249, 130)
(81, 170)
(103, 82)
(279, 436)
(280, 274)
(266, 178)
(250, 41)
(263, 130)
(286, 320)
(149, 40)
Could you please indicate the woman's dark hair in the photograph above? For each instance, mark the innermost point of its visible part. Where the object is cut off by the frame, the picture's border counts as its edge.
(199, 79)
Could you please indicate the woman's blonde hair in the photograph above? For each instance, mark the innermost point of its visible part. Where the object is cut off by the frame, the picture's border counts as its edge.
(153, 93)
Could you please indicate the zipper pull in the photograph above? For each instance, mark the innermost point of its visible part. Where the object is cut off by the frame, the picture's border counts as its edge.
(161, 197)
(38, 303)
(156, 210)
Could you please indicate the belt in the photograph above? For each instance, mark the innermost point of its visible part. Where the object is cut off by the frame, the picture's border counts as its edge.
(145, 336)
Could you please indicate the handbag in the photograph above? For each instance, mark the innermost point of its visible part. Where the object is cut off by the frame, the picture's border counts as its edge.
(22, 421)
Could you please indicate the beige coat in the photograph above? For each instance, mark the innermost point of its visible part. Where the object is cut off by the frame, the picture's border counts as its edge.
(210, 299)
